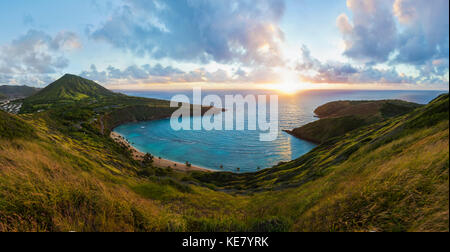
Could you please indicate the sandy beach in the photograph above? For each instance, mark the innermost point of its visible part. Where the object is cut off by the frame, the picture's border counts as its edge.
(158, 162)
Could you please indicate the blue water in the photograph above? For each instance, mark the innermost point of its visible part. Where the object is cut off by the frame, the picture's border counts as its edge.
(242, 149)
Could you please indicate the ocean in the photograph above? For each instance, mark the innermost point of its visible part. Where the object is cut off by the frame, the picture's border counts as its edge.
(242, 150)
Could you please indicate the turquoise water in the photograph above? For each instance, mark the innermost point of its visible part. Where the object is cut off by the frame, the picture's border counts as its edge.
(242, 149)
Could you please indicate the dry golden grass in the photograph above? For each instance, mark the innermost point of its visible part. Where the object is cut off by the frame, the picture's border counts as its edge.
(44, 191)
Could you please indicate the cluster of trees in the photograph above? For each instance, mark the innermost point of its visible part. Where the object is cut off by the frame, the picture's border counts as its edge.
(148, 159)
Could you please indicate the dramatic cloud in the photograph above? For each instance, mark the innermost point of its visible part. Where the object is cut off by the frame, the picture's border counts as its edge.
(36, 52)
(426, 37)
(225, 31)
(409, 32)
(312, 70)
(372, 36)
(309, 68)
(236, 41)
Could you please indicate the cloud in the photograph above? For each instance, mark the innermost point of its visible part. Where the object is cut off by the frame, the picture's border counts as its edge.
(158, 74)
(5, 78)
(94, 74)
(308, 62)
(134, 73)
(36, 52)
(372, 36)
(159, 70)
(426, 35)
(312, 70)
(66, 40)
(34, 80)
(225, 31)
(396, 32)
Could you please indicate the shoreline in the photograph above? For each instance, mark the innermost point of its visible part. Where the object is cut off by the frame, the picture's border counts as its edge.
(162, 163)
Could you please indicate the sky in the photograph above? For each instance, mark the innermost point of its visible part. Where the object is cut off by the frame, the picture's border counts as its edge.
(278, 44)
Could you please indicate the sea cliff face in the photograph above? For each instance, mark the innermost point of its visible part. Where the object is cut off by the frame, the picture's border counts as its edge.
(135, 114)
(140, 113)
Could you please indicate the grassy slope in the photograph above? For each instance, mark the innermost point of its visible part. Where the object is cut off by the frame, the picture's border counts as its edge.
(60, 183)
(12, 127)
(338, 118)
(390, 176)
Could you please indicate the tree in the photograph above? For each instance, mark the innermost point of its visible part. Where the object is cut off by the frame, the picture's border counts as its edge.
(147, 159)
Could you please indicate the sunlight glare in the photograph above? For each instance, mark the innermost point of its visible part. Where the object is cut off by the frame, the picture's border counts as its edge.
(291, 83)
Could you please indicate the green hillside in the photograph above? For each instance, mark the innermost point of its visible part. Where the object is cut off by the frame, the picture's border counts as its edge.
(71, 87)
(68, 89)
(17, 91)
(388, 176)
(12, 126)
(2, 97)
(338, 118)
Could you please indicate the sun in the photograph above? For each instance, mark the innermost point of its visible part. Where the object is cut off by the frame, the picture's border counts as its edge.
(289, 87)
(290, 83)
